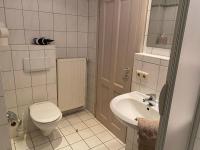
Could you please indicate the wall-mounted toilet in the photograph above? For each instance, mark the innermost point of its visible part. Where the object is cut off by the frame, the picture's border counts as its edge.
(46, 116)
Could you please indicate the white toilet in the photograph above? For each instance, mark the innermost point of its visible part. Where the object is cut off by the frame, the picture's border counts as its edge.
(46, 116)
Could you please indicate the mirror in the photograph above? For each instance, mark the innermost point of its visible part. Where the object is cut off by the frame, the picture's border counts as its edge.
(162, 23)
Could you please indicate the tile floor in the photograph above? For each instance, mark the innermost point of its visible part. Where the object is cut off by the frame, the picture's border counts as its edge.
(79, 131)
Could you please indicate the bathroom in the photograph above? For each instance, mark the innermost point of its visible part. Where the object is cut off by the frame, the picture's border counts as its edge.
(106, 65)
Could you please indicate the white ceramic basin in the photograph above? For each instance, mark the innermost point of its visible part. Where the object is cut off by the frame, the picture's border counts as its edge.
(128, 107)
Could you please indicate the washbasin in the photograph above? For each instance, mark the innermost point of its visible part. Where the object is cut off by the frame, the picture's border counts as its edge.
(129, 106)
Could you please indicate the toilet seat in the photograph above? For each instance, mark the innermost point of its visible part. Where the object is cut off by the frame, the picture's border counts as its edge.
(45, 112)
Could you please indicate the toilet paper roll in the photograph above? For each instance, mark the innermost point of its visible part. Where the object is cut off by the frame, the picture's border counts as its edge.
(4, 32)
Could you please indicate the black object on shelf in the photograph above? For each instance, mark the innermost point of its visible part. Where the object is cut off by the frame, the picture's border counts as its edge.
(42, 41)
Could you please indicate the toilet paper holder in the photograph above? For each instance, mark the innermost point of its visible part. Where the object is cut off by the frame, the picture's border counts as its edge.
(13, 120)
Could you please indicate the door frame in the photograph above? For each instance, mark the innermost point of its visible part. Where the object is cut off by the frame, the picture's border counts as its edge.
(172, 70)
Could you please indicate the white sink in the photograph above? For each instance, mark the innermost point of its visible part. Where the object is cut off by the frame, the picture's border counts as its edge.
(128, 107)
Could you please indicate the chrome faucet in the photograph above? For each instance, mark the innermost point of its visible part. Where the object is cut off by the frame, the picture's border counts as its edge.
(151, 99)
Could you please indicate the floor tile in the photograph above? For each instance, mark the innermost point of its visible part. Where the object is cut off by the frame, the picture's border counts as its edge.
(80, 126)
(67, 130)
(113, 144)
(91, 122)
(40, 140)
(63, 123)
(93, 141)
(74, 120)
(46, 146)
(100, 147)
(73, 138)
(23, 143)
(80, 146)
(97, 129)
(86, 116)
(35, 133)
(86, 133)
(66, 148)
(55, 134)
(104, 136)
(59, 143)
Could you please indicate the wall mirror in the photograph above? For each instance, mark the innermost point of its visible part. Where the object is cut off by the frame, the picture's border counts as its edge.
(162, 23)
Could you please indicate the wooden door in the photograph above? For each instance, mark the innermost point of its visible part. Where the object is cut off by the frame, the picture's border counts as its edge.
(117, 45)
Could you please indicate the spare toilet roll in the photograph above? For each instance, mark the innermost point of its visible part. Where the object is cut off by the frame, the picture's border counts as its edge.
(4, 32)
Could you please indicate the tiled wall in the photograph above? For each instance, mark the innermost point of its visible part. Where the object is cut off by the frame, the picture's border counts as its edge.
(156, 67)
(153, 50)
(65, 21)
(92, 54)
(4, 132)
(24, 88)
(71, 23)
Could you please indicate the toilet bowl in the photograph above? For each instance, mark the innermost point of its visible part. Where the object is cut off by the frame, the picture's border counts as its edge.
(45, 116)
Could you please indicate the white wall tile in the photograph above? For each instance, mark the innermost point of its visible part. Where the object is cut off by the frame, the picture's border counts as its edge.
(61, 52)
(24, 96)
(82, 24)
(72, 23)
(16, 37)
(18, 57)
(72, 39)
(2, 15)
(14, 19)
(152, 78)
(93, 7)
(46, 33)
(82, 52)
(38, 78)
(52, 91)
(30, 5)
(8, 80)
(72, 52)
(31, 20)
(83, 7)
(59, 6)
(3, 118)
(72, 7)
(29, 34)
(82, 39)
(46, 20)
(22, 79)
(1, 3)
(92, 24)
(1, 86)
(59, 22)
(10, 99)
(51, 75)
(13, 4)
(5, 61)
(5, 141)
(45, 5)
(39, 93)
(92, 40)
(60, 39)
(137, 66)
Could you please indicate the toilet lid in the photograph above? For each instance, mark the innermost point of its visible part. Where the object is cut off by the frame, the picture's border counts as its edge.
(44, 112)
